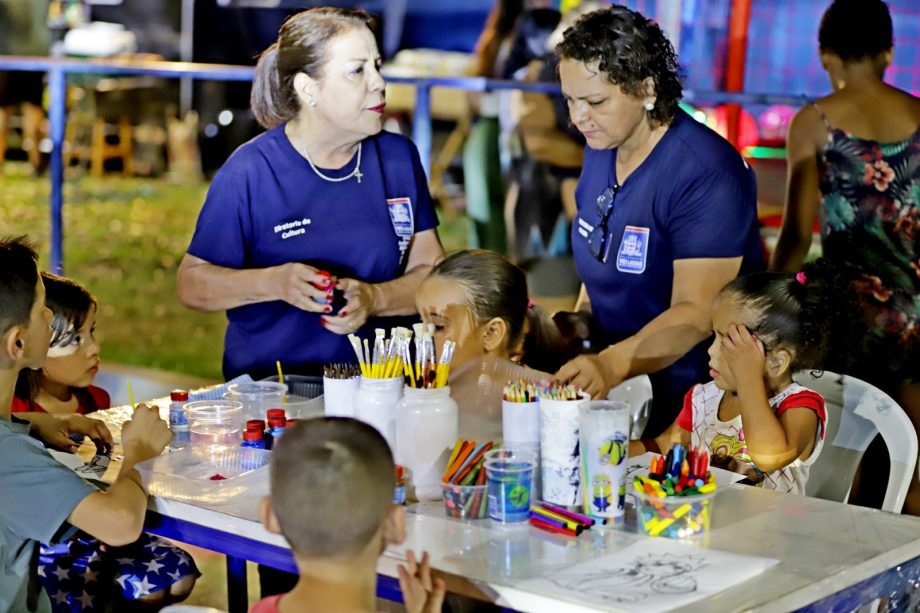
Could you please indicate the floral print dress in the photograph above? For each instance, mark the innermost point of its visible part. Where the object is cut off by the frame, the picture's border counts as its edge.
(870, 221)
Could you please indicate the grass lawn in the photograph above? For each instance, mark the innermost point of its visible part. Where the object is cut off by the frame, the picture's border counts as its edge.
(123, 240)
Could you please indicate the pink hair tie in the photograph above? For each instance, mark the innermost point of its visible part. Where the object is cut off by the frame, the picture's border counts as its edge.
(800, 277)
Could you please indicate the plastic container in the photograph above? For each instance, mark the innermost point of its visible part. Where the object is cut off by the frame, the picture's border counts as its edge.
(305, 395)
(465, 501)
(426, 431)
(256, 397)
(559, 452)
(211, 473)
(536, 488)
(214, 422)
(604, 434)
(674, 516)
(520, 422)
(177, 421)
(339, 396)
(509, 476)
(375, 404)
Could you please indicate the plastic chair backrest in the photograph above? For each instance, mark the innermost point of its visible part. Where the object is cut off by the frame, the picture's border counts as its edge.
(856, 413)
(637, 393)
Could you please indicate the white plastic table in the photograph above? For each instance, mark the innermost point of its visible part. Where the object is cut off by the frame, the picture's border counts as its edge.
(823, 547)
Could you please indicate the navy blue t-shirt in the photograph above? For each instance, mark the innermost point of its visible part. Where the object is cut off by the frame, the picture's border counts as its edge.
(693, 197)
(267, 207)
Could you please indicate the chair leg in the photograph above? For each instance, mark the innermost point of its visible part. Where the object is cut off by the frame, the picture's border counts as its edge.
(126, 147)
(4, 132)
(97, 149)
(32, 118)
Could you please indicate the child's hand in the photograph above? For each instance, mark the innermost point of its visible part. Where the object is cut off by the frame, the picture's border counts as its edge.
(421, 593)
(56, 430)
(742, 354)
(145, 435)
(94, 429)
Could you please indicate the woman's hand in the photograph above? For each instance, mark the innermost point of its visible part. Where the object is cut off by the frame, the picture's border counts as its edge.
(360, 303)
(421, 593)
(742, 355)
(302, 286)
(590, 373)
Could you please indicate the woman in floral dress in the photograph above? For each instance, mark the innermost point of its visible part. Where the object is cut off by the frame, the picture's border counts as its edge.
(854, 159)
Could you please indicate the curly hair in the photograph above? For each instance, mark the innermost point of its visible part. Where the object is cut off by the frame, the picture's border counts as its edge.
(629, 48)
(856, 29)
(814, 314)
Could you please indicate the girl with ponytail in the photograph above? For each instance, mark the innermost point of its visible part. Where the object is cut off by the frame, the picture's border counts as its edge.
(752, 417)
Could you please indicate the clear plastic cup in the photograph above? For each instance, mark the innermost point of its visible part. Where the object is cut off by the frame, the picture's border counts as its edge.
(214, 421)
(465, 501)
(509, 475)
(257, 397)
(674, 516)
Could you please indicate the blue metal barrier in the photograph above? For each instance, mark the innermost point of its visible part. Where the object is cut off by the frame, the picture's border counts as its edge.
(59, 68)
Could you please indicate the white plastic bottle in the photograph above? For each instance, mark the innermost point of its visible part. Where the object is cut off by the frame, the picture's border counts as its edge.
(375, 404)
(426, 431)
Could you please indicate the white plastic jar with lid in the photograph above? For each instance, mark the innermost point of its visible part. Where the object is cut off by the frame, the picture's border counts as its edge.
(375, 404)
(426, 431)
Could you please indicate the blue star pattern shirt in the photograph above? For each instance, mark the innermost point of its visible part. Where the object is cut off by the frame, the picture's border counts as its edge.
(83, 576)
(693, 197)
(267, 207)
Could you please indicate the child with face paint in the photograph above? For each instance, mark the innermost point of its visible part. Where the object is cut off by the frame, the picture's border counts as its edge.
(83, 565)
(64, 383)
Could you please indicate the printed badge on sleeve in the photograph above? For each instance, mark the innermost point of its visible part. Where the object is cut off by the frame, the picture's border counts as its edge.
(633, 250)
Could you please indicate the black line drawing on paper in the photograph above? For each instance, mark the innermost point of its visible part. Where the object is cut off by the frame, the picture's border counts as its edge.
(644, 577)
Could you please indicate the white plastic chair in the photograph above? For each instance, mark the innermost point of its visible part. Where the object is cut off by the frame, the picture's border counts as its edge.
(637, 393)
(856, 413)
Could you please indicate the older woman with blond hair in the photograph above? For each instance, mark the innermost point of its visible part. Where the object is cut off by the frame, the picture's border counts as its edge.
(324, 205)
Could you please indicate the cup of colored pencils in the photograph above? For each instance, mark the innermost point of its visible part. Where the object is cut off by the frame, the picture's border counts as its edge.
(464, 482)
(675, 500)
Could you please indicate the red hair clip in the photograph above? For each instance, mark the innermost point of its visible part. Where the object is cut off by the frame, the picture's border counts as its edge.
(800, 277)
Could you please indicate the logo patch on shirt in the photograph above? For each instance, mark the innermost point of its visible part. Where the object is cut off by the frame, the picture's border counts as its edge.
(400, 210)
(293, 228)
(633, 250)
(584, 228)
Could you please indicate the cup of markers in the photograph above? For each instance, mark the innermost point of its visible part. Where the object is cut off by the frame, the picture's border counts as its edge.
(675, 500)
(464, 482)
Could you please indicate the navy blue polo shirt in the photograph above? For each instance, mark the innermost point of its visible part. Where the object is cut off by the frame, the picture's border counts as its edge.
(267, 207)
(693, 197)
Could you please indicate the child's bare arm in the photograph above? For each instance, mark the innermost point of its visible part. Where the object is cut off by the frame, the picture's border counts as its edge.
(116, 516)
(773, 442)
(661, 443)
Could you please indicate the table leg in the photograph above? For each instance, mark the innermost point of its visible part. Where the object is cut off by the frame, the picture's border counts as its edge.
(237, 596)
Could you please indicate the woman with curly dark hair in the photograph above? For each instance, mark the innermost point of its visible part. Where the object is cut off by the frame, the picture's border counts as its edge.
(666, 210)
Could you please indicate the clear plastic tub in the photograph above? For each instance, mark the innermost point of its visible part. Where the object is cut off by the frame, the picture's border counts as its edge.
(210, 473)
(214, 422)
(257, 397)
(305, 399)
